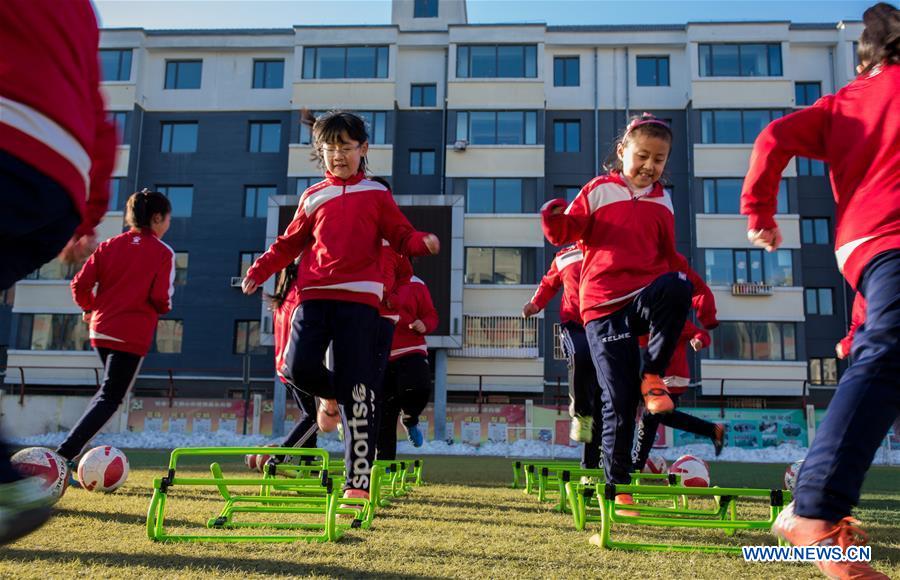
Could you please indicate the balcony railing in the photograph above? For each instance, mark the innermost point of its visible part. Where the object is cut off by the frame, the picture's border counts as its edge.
(751, 289)
(499, 337)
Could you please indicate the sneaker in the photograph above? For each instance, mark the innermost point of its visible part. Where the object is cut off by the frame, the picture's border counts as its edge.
(800, 531)
(625, 499)
(719, 438)
(415, 436)
(328, 415)
(25, 506)
(581, 428)
(656, 395)
(354, 494)
(73, 474)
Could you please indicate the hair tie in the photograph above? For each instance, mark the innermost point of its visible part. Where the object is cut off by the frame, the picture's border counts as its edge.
(645, 119)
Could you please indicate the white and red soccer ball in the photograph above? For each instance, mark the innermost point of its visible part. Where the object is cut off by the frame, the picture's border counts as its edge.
(694, 472)
(655, 464)
(790, 475)
(45, 464)
(103, 469)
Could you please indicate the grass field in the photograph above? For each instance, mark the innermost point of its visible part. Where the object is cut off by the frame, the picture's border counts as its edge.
(465, 523)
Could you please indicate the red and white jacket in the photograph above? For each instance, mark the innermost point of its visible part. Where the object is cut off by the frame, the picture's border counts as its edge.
(52, 115)
(134, 276)
(628, 239)
(857, 318)
(390, 261)
(282, 321)
(413, 301)
(857, 132)
(342, 223)
(565, 271)
(678, 373)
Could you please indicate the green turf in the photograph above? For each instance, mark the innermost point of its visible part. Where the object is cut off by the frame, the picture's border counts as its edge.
(465, 523)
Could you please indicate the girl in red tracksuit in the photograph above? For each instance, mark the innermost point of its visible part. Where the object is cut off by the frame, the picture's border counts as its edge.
(857, 132)
(339, 225)
(407, 383)
(123, 288)
(678, 377)
(632, 278)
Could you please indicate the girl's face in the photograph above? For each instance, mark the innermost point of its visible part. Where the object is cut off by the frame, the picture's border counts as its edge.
(643, 159)
(343, 159)
(160, 224)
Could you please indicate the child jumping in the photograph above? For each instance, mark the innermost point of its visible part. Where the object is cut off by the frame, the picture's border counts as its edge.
(857, 133)
(340, 223)
(632, 281)
(123, 288)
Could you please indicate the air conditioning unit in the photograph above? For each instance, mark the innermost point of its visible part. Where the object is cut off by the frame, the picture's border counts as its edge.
(460, 145)
(236, 281)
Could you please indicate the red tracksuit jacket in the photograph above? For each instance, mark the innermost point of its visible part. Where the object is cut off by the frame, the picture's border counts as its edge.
(52, 115)
(282, 318)
(857, 132)
(134, 275)
(413, 301)
(628, 241)
(857, 317)
(565, 271)
(342, 222)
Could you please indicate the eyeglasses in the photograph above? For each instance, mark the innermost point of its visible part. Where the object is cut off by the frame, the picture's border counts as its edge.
(331, 152)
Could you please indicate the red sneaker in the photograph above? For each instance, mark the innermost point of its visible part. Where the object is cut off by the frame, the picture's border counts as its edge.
(354, 494)
(625, 499)
(656, 395)
(801, 531)
(328, 415)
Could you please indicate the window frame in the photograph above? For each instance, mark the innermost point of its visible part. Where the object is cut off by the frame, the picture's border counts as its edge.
(255, 190)
(525, 133)
(119, 64)
(527, 253)
(774, 114)
(178, 323)
(526, 200)
(164, 189)
(419, 155)
(712, 74)
(566, 125)
(254, 255)
(310, 58)
(751, 253)
(564, 80)
(814, 223)
(260, 138)
(821, 380)
(171, 125)
(422, 89)
(178, 62)
(265, 62)
(750, 325)
(246, 349)
(782, 208)
(464, 55)
(658, 60)
(428, 7)
(804, 87)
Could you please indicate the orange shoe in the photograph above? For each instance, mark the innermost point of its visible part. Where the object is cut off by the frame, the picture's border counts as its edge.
(625, 499)
(354, 494)
(801, 531)
(328, 415)
(656, 395)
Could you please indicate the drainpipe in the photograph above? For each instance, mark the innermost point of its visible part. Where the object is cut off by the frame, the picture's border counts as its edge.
(627, 88)
(444, 122)
(596, 115)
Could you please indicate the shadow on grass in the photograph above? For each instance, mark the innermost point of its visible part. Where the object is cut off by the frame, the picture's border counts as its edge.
(128, 519)
(182, 563)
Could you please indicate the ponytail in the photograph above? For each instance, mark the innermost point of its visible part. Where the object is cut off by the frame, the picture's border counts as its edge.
(283, 284)
(143, 205)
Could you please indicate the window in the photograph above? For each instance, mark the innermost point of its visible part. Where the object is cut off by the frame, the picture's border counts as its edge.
(810, 167)
(425, 9)
(726, 267)
(376, 126)
(814, 231)
(303, 183)
(55, 270)
(180, 196)
(566, 71)
(120, 120)
(256, 200)
(498, 196)
(181, 268)
(179, 137)
(345, 62)
(183, 74)
(754, 341)
(421, 162)
(246, 260)
(115, 65)
(823, 371)
(423, 95)
(497, 127)
(723, 196)
(653, 71)
(819, 301)
(500, 266)
(246, 337)
(724, 126)
(8, 296)
(168, 336)
(855, 51)
(268, 74)
(52, 332)
(740, 60)
(566, 136)
(496, 61)
(501, 332)
(807, 93)
(115, 186)
(265, 137)
(569, 192)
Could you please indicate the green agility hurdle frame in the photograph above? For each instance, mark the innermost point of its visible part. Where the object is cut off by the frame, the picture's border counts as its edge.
(316, 496)
(582, 500)
(723, 517)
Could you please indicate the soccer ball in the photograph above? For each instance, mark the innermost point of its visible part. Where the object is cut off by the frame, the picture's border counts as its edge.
(261, 461)
(655, 464)
(45, 464)
(790, 475)
(250, 461)
(693, 471)
(103, 469)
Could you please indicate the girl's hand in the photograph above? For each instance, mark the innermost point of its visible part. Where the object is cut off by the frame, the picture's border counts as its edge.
(78, 249)
(839, 351)
(249, 286)
(696, 344)
(768, 239)
(529, 310)
(418, 326)
(86, 316)
(432, 243)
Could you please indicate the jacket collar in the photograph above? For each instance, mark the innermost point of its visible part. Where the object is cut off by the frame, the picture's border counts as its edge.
(656, 190)
(334, 180)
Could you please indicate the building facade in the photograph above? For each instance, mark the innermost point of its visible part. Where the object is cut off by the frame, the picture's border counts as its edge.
(499, 118)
